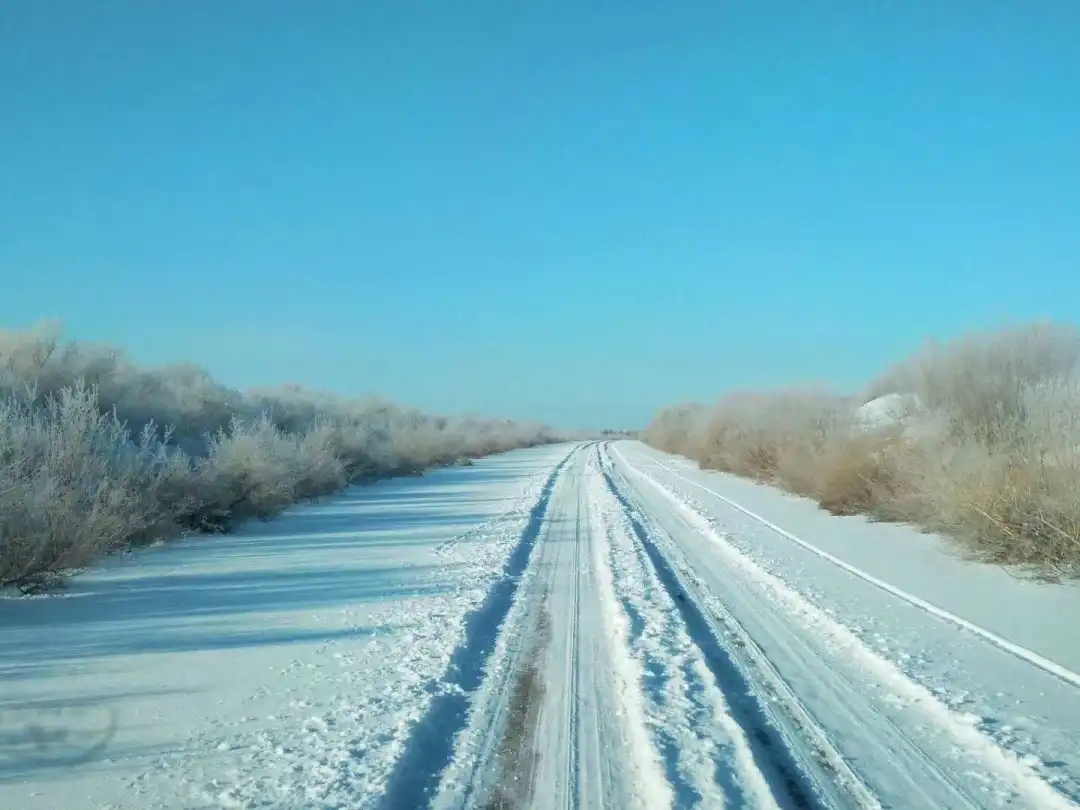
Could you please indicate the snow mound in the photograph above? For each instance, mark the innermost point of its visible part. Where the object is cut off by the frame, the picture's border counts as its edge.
(886, 411)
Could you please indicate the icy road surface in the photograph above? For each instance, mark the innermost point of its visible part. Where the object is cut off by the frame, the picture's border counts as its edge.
(581, 626)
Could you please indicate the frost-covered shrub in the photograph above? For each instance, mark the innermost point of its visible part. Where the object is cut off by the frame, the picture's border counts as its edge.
(979, 381)
(98, 455)
(1015, 500)
(72, 486)
(678, 429)
(182, 397)
(771, 435)
(978, 438)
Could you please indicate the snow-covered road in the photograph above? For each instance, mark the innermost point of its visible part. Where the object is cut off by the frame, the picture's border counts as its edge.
(586, 626)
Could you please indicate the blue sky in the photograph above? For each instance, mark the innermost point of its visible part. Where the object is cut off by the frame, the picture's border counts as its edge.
(570, 211)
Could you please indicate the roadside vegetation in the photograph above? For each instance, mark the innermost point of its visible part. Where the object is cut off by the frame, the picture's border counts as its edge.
(977, 439)
(98, 455)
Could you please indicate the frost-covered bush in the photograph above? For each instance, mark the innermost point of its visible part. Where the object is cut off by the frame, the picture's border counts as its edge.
(979, 382)
(254, 470)
(978, 438)
(678, 429)
(771, 435)
(73, 486)
(182, 397)
(98, 455)
(1014, 497)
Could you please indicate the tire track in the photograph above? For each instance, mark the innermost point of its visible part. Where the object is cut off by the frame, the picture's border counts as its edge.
(502, 772)
(909, 746)
(1064, 674)
(647, 643)
(573, 702)
(524, 746)
(653, 638)
(559, 766)
(415, 777)
(632, 775)
(792, 784)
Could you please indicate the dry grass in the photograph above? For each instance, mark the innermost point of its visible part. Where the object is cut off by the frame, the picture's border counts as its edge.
(989, 456)
(859, 476)
(1011, 511)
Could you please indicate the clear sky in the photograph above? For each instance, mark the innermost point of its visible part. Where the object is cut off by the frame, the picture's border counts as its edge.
(574, 211)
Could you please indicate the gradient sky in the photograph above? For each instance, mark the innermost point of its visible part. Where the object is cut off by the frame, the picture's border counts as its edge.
(573, 211)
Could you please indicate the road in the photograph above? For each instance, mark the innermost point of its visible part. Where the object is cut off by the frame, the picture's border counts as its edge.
(592, 625)
(654, 664)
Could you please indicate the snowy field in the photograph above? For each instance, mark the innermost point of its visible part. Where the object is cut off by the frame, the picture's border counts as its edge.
(579, 626)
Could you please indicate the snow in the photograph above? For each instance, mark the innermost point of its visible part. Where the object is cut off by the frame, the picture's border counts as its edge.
(586, 625)
(1037, 616)
(1006, 774)
(627, 670)
(1024, 654)
(899, 410)
(1031, 713)
(886, 411)
(566, 622)
(281, 665)
(690, 706)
